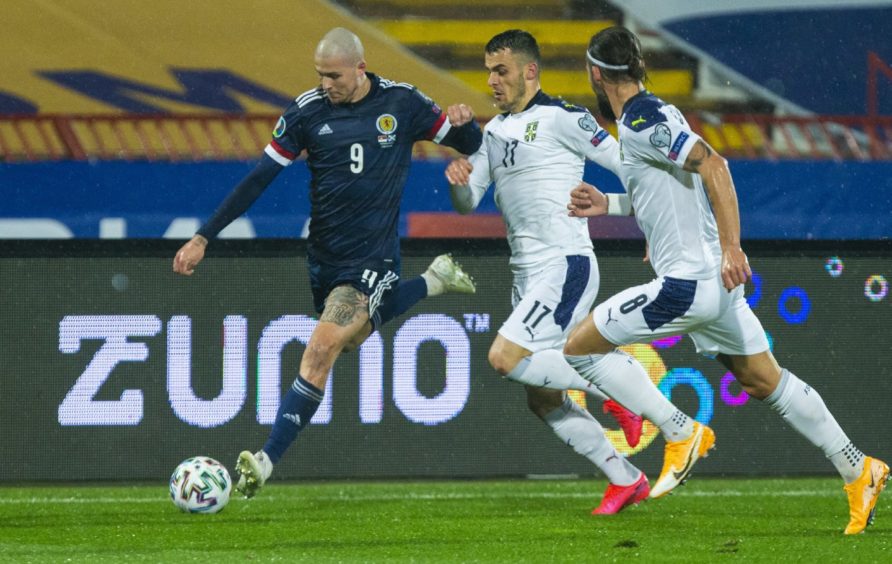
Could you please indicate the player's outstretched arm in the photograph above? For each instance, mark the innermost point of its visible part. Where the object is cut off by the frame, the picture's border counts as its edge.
(235, 204)
(465, 194)
(189, 255)
(242, 196)
(713, 168)
(587, 201)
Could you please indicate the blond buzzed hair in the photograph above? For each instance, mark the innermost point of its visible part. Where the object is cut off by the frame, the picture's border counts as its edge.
(341, 42)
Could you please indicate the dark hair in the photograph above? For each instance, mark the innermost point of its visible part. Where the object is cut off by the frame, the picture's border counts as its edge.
(618, 46)
(518, 40)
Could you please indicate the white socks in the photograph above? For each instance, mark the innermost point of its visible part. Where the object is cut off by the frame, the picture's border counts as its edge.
(266, 465)
(549, 369)
(802, 407)
(849, 462)
(622, 377)
(434, 286)
(616, 374)
(578, 429)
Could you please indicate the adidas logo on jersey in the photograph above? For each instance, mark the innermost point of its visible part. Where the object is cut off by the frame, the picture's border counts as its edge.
(324, 130)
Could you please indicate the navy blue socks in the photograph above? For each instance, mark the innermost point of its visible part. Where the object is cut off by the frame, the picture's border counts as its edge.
(295, 412)
(404, 297)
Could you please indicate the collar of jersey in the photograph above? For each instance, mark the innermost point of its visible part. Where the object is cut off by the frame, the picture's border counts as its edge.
(373, 86)
(541, 98)
(642, 94)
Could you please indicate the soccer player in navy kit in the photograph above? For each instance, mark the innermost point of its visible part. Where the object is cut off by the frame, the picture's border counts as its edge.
(358, 130)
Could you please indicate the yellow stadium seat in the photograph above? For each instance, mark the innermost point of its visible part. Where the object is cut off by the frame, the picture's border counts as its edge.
(574, 83)
(477, 32)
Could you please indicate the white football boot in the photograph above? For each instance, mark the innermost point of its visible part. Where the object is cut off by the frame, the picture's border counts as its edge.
(450, 276)
(253, 469)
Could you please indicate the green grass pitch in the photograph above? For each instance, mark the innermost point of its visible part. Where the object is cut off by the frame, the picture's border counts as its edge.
(708, 520)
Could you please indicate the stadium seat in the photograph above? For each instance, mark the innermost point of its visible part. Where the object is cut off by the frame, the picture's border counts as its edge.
(440, 32)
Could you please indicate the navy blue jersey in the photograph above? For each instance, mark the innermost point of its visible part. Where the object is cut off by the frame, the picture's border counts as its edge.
(359, 156)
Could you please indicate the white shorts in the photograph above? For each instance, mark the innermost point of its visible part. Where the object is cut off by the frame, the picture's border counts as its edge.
(551, 301)
(718, 321)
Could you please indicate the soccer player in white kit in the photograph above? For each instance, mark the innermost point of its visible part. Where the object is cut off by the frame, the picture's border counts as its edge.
(535, 153)
(684, 200)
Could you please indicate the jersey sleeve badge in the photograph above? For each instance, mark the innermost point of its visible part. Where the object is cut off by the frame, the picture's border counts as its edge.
(661, 136)
(279, 130)
(588, 123)
(676, 147)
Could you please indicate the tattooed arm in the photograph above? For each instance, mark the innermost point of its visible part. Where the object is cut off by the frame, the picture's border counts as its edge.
(713, 169)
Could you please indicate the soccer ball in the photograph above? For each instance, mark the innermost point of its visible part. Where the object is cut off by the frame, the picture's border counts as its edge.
(200, 485)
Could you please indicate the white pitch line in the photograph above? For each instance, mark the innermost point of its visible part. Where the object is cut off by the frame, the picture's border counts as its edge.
(416, 497)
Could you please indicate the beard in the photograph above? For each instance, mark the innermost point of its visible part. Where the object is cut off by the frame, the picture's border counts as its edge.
(521, 94)
(604, 107)
(512, 105)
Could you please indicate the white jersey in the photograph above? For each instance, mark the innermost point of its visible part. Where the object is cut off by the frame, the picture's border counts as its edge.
(671, 204)
(535, 157)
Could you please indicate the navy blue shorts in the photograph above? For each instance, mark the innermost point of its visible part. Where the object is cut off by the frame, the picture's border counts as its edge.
(376, 279)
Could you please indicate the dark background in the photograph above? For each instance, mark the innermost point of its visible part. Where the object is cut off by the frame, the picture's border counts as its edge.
(841, 348)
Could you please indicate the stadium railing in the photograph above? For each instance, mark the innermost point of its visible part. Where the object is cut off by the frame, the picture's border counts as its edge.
(210, 137)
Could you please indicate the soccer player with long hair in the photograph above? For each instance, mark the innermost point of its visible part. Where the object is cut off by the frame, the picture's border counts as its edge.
(683, 198)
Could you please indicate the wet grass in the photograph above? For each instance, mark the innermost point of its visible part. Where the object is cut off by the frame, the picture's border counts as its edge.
(709, 520)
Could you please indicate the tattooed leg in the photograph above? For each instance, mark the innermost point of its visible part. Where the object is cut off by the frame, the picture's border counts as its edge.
(345, 305)
(344, 320)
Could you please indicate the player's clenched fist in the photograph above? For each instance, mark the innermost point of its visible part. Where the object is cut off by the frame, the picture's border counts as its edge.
(458, 173)
(735, 268)
(189, 255)
(587, 201)
(459, 114)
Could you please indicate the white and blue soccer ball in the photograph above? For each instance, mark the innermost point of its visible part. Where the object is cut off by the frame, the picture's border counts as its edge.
(200, 485)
